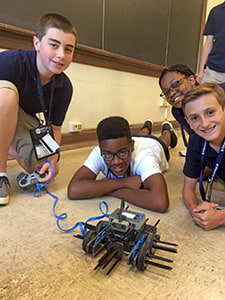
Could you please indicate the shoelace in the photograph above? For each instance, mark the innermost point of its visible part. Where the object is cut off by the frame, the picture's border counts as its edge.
(4, 179)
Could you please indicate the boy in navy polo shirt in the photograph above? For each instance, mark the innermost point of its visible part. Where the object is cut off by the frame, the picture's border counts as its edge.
(204, 109)
(32, 82)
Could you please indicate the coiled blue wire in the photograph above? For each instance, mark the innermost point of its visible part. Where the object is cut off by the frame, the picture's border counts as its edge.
(40, 188)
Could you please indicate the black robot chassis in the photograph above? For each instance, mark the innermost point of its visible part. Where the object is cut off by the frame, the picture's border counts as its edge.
(126, 233)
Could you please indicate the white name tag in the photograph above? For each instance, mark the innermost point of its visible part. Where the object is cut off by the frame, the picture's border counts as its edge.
(49, 143)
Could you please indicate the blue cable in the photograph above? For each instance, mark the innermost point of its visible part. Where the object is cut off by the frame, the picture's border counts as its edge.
(100, 236)
(104, 214)
(40, 188)
(137, 246)
(82, 225)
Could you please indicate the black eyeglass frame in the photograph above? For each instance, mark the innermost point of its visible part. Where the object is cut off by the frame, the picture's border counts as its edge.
(113, 154)
(173, 87)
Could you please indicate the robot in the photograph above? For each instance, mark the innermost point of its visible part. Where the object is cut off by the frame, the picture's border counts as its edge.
(126, 233)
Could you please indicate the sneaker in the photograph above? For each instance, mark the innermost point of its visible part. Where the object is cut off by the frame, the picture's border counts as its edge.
(148, 124)
(4, 190)
(168, 126)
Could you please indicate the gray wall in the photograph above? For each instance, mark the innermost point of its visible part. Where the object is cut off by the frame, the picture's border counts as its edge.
(163, 32)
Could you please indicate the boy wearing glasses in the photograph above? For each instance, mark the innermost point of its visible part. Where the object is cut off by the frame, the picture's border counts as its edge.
(132, 166)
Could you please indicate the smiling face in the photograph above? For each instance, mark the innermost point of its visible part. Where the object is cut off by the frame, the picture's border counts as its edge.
(175, 85)
(207, 118)
(117, 165)
(54, 52)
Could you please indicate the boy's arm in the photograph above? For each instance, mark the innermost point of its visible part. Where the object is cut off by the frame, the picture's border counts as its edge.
(189, 194)
(204, 214)
(153, 196)
(84, 185)
(54, 158)
(204, 57)
(57, 134)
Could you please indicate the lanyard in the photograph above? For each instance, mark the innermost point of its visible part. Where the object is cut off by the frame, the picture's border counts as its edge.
(183, 136)
(122, 176)
(206, 194)
(42, 99)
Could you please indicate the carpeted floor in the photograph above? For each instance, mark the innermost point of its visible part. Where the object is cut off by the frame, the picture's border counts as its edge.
(37, 261)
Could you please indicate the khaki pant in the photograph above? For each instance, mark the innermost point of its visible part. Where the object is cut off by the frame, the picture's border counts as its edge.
(213, 76)
(22, 143)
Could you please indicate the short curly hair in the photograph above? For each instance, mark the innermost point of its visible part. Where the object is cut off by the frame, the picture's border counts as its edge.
(113, 128)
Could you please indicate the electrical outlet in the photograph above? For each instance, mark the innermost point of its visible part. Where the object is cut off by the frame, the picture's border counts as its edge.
(75, 127)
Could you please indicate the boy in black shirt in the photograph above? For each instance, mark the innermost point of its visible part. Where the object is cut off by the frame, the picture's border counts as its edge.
(26, 78)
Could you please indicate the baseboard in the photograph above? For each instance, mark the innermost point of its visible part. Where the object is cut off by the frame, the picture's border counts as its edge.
(88, 138)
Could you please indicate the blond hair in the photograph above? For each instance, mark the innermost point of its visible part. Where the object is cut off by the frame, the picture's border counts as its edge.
(205, 89)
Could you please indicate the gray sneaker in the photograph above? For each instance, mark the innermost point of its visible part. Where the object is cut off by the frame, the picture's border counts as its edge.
(4, 190)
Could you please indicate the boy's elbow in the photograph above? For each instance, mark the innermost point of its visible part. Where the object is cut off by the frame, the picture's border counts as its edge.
(71, 192)
(163, 208)
(163, 205)
(160, 205)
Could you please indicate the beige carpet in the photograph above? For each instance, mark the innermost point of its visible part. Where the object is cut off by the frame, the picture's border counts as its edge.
(37, 261)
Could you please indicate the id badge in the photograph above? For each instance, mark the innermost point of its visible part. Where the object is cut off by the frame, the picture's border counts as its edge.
(43, 142)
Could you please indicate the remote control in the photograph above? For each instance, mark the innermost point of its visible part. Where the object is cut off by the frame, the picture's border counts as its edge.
(26, 180)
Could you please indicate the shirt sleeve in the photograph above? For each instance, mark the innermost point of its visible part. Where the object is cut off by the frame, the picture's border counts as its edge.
(10, 66)
(94, 162)
(210, 24)
(147, 167)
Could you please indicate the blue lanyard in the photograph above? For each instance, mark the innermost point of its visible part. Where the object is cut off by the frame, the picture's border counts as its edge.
(184, 136)
(122, 176)
(42, 99)
(206, 194)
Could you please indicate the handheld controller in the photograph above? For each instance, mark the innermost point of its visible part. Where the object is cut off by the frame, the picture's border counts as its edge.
(26, 180)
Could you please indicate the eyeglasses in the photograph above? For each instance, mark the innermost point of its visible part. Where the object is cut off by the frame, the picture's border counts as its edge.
(173, 87)
(122, 154)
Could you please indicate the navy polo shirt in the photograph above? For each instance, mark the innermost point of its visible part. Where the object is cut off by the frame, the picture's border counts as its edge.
(19, 67)
(215, 26)
(192, 166)
(179, 116)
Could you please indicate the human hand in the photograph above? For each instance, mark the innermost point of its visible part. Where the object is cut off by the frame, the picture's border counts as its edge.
(206, 215)
(49, 170)
(200, 76)
(132, 182)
